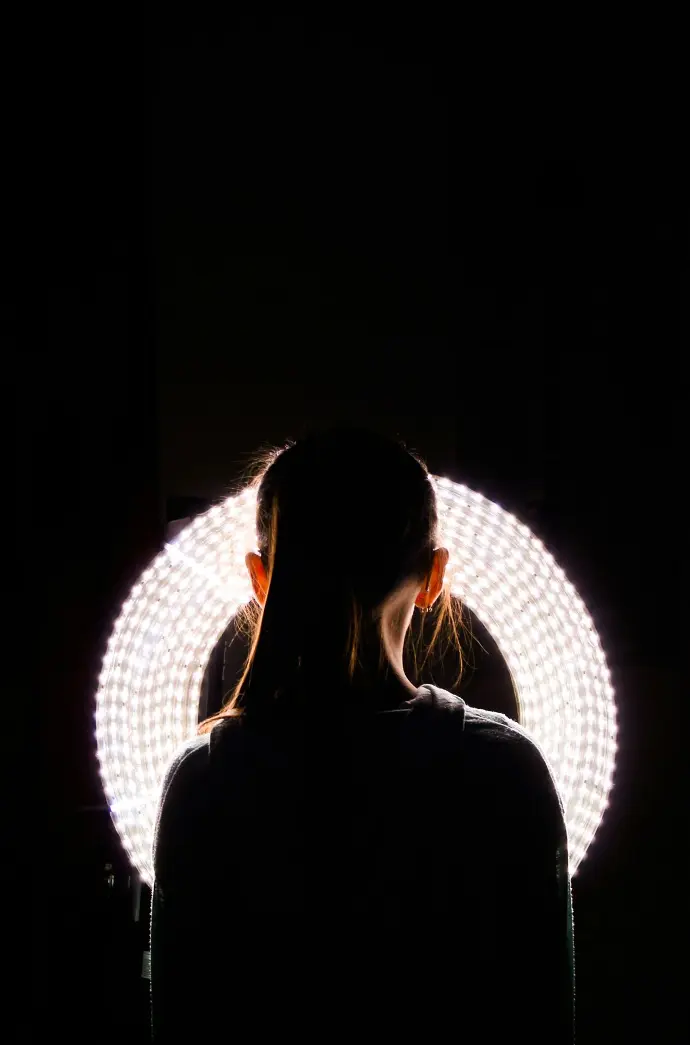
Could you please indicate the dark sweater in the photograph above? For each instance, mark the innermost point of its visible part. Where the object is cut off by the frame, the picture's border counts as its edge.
(401, 873)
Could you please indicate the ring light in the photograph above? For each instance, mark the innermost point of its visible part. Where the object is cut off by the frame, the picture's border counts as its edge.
(149, 687)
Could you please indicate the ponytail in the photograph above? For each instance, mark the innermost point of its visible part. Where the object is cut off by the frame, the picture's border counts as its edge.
(297, 644)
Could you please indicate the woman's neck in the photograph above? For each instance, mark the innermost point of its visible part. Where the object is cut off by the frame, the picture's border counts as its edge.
(375, 690)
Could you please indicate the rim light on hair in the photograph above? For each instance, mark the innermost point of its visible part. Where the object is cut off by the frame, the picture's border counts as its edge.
(148, 696)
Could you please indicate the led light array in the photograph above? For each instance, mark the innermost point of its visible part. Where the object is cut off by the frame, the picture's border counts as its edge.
(148, 696)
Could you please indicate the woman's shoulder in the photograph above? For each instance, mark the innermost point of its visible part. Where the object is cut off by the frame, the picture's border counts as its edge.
(455, 715)
(475, 722)
(181, 793)
(500, 747)
(188, 764)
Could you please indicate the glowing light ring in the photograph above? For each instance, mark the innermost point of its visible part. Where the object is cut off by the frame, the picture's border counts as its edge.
(149, 688)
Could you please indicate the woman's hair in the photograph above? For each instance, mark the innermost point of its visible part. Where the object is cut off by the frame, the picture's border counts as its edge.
(344, 518)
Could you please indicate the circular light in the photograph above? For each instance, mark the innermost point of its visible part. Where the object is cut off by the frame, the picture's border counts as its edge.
(148, 696)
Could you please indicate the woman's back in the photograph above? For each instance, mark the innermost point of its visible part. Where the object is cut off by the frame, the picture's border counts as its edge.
(402, 871)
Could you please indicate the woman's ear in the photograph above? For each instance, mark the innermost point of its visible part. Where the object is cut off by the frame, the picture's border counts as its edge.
(257, 575)
(441, 557)
(425, 599)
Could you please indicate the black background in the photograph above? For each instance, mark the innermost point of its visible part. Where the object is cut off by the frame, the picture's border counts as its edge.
(232, 234)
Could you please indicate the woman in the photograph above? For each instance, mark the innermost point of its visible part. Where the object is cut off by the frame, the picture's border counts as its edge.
(340, 851)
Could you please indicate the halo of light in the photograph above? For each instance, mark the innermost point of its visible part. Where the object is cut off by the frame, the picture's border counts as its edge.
(149, 688)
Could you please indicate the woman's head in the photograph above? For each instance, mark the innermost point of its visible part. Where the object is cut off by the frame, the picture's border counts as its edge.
(347, 545)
